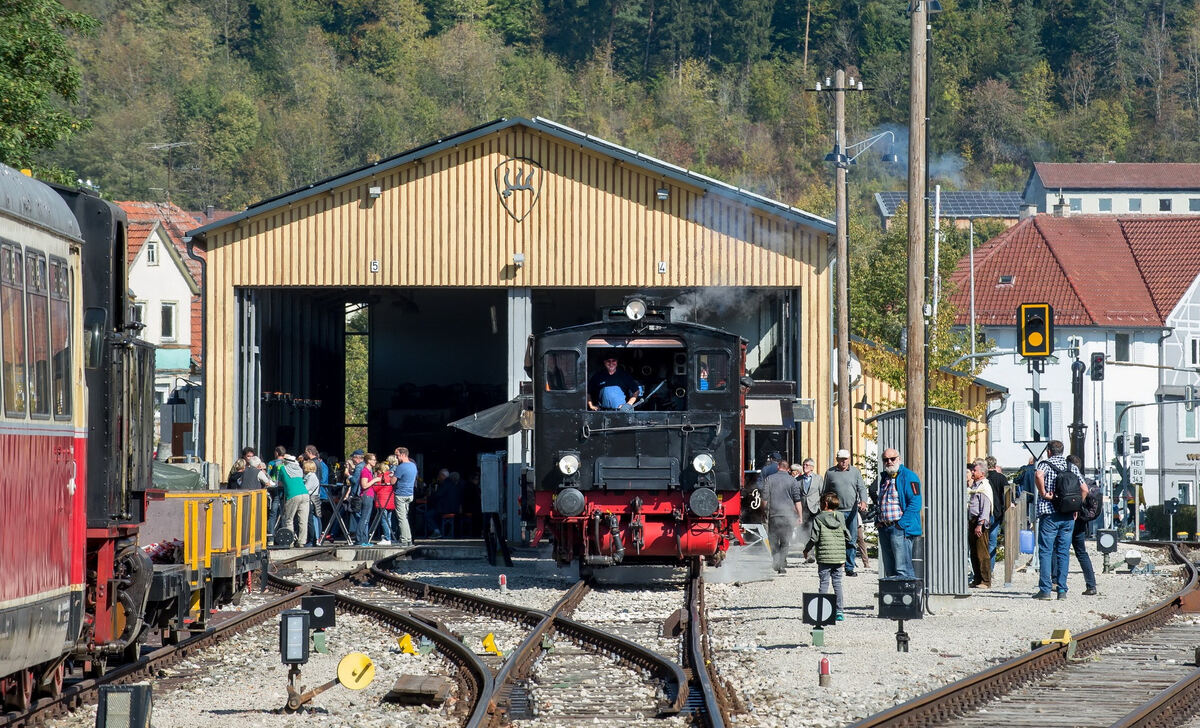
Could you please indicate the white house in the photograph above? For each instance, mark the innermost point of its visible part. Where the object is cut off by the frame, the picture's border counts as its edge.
(166, 293)
(1116, 188)
(1126, 287)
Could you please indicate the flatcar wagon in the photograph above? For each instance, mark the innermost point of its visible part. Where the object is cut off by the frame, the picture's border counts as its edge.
(638, 438)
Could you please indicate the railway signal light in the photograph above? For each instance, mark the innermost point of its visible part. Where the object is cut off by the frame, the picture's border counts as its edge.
(293, 636)
(1035, 324)
(1097, 369)
(1141, 443)
(1119, 444)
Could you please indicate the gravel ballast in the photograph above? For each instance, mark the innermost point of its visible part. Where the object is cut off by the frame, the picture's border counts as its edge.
(242, 682)
(762, 646)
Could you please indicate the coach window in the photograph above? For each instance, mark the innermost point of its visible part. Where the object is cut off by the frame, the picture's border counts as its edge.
(712, 371)
(37, 294)
(12, 323)
(60, 336)
(562, 371)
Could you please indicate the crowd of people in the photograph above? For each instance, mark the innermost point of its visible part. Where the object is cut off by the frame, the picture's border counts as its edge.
(823, 514)
(363, 501)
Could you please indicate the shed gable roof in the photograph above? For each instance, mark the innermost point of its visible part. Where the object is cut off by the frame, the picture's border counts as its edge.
(563, 133)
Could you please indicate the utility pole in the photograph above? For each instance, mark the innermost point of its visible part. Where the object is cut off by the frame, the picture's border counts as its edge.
(845, 424)
(168, 146)
(914, 376)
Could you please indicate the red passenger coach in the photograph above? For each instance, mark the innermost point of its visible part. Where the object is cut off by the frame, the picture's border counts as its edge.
(76, 429)
(42, 437)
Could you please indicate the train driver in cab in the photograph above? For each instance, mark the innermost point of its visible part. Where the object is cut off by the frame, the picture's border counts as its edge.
(612, 388)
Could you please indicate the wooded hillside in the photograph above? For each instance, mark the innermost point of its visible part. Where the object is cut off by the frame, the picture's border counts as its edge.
(268, 95)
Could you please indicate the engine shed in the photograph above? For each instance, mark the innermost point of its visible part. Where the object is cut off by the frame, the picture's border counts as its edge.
(438, 263)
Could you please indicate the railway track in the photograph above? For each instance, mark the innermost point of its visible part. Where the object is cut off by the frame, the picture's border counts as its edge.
(491, 691)
(596, 647)
(1138, 671)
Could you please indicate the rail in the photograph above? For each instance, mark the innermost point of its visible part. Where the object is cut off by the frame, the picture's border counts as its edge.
(975, 690)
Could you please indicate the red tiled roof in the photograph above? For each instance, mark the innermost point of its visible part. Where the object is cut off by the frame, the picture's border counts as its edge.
(1095, 270)
(175, 222)
(1119, 176)
(1168, 252)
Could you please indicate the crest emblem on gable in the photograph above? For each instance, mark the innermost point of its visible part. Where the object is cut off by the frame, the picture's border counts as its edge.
(519, 184)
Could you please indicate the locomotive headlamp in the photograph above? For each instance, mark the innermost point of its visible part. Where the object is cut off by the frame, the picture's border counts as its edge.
(568, 464)
(569, 502)
(703, 462)
(703, 502)
(293, 636)
(635, 310)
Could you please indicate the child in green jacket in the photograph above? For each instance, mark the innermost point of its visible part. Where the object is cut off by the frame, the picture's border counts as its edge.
(830, 537)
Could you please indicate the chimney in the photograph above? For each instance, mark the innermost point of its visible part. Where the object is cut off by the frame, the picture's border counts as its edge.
(1061, 208)
(209, 210)
(1028, 210)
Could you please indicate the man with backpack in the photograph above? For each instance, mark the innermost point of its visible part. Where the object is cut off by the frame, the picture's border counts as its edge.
(1061, 492)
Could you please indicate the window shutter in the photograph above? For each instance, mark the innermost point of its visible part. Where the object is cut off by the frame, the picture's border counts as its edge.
(1020, 421)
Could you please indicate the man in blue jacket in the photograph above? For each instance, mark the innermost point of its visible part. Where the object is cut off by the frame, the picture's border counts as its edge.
(899, 519)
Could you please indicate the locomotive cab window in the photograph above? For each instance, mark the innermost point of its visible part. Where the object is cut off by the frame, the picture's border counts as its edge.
(712, 371)
(636, 374)
(561, 371)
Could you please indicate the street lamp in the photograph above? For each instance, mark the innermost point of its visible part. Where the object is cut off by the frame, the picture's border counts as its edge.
(842, 159)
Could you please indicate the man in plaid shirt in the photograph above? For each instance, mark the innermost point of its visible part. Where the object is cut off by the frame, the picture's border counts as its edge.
(1054, 529)
(898, 522)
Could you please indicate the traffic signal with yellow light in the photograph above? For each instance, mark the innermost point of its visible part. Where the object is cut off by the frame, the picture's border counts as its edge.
(1035, 330)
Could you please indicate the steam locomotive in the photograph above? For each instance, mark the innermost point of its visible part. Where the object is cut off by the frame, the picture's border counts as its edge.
(649, 473)
(77, 434)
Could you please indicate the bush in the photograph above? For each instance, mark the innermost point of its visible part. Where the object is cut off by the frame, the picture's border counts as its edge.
(1158, 523)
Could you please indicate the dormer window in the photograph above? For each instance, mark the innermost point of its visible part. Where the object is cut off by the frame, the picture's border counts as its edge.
(1006, 280)
(151, 252)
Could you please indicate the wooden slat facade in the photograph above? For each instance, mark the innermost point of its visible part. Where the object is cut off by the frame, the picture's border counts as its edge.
(440, 221)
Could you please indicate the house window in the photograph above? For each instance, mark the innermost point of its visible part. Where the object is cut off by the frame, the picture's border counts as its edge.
(1184, 489)
(1105, 204)
(168, 322)
(1076, 204)
(1194, 204)
(1187, 425)
(139, 313)
(1135, 204)
(1127, 424)
(1194, 351)
(1164, 204)
(1122, 352)
(151, 252)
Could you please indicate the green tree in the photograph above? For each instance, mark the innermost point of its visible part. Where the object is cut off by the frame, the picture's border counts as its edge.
(37, 72)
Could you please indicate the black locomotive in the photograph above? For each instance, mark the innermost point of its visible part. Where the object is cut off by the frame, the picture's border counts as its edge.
(638, 459)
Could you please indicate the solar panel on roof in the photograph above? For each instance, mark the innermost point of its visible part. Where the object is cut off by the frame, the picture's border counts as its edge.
(966, 203)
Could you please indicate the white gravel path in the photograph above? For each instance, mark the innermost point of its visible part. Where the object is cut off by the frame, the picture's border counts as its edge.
(762, 646)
